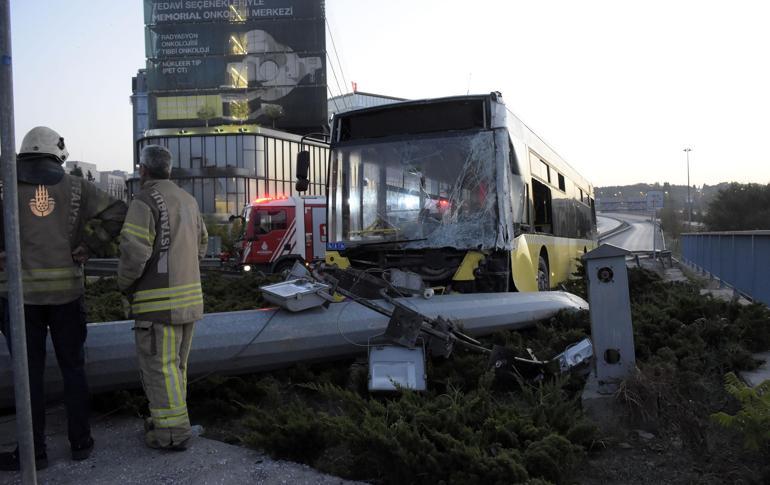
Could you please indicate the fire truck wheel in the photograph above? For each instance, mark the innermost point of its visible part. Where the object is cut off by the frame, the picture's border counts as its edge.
(283, 266)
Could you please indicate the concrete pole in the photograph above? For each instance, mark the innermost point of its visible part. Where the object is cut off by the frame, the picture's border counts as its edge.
(689, 200)
(654, 244)
(13, 253)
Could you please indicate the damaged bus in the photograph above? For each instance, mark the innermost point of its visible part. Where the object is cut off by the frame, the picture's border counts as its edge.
(457, 190)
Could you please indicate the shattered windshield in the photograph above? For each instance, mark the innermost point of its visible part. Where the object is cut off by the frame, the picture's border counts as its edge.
(426, 192)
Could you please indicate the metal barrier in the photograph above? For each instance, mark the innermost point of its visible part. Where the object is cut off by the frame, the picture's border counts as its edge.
(109, 266)
(739, 259)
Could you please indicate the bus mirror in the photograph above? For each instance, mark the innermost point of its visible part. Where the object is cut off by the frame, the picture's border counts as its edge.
(302, 169)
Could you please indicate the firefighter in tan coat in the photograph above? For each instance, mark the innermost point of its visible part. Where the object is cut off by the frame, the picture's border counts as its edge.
(54, 209)
(162, 241)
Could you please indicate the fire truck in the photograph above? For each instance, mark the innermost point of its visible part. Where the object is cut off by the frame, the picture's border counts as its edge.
(278, 231)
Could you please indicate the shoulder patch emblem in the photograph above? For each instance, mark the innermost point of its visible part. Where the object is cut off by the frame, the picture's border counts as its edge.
(43, 204)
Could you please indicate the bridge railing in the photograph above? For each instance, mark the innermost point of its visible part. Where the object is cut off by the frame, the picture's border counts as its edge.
(740, 259)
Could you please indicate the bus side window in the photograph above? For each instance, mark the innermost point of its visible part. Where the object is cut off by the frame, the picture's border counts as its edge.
(514, 163)
(527, 216)
(541, 198)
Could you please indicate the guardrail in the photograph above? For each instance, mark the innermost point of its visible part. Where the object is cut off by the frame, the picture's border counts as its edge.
(109, 266)
(622, 227)
(740, 259)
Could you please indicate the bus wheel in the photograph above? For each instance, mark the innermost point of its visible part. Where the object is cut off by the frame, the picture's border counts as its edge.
(543, 275)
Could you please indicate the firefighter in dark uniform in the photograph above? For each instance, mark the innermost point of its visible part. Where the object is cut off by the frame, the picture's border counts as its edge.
(54, 209)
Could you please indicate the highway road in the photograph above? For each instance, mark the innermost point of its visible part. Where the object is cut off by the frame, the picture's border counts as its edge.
(606, 224)
(638, 237)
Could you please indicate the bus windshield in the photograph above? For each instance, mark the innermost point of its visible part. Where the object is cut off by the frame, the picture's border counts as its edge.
(437, 191)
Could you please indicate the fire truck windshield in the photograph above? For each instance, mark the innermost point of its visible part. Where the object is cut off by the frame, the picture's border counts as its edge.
(437, 191)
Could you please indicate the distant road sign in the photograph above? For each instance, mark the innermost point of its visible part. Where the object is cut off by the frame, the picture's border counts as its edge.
(655, 199)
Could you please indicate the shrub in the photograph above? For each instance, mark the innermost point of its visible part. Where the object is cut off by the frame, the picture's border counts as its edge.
(752, 420)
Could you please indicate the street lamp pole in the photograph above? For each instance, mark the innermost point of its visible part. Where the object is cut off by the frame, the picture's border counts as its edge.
(10, 213)
(689, 200)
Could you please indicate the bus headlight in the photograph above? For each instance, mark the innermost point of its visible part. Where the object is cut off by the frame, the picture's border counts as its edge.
(247, 268)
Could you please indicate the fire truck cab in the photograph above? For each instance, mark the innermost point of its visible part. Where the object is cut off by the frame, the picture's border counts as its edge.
(280, 231)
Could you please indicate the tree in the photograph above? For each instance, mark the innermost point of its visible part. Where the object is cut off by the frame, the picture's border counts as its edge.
(670, 219)
(274, 112)
(229, 233)
(76, 171)
(90, 177)
(206, 113)
(740, 207)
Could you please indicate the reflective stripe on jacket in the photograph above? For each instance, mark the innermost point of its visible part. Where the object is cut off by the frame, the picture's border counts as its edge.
(52, 221)
(162, 242)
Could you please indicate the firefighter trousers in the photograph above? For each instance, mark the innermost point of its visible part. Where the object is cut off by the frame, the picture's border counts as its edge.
(67, 323)
(163, 350)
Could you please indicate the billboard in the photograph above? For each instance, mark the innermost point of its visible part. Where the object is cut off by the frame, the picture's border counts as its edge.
(273, 75)
(195, 108)
(158, 12)
(245, 61)
(296, 35)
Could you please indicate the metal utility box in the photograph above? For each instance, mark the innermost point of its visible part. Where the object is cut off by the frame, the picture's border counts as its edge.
(214, 247)
(296, 295)
(611, 330)
(391, 366)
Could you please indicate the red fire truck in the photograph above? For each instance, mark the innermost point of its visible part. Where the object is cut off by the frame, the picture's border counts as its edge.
(279, 231)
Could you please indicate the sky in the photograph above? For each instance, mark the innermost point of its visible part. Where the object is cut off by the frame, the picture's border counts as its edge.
(617, 88)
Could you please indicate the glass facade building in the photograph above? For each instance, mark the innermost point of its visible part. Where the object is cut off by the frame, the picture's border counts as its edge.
(226, 167)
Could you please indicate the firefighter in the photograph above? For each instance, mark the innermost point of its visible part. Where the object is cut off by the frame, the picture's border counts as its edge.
(162, 241)
(54, 209)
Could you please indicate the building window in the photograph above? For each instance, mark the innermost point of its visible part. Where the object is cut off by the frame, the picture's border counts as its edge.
(184, 153)
(196, 152)
(237, 44)
(210, 159)
(250, 155)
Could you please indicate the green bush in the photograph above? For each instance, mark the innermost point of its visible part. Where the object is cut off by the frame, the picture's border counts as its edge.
(220, 294)
(469, 427)
(752, 420)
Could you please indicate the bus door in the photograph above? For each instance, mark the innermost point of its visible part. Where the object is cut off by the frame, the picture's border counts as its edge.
(271, 236)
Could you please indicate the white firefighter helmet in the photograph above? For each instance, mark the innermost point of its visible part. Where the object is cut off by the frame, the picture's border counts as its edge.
(42, 140)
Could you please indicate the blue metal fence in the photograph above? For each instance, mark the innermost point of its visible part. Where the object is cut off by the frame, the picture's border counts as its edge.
(740, 259)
